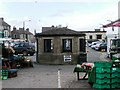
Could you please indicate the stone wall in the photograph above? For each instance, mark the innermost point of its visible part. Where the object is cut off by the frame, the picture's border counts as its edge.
(57, 56)
(57, 59)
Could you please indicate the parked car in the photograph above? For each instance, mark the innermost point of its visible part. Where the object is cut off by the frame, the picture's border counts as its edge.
(92, 44)
(89, 44)
(24, 48)
(95, 43)
(97, 47)
(101, 46)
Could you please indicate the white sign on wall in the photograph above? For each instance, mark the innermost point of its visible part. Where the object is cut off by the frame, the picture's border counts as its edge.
(67, 58)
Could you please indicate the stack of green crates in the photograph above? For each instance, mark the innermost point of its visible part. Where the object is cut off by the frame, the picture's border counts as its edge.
(107, 75)
(116, 63)
(115, 77)
(4, 74)
(102, 75)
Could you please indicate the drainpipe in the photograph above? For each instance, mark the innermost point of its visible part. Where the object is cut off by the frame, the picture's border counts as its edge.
(36, 47)
(37, 50)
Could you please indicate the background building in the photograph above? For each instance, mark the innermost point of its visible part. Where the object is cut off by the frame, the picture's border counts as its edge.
(5, 30)
(94, 35)
(59, 46)
(90, 35)
(21, 34)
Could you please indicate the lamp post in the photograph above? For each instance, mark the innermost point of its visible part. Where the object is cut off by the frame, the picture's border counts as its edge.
(24, 24)
(112, 26)
(25, 36)
(102, 27)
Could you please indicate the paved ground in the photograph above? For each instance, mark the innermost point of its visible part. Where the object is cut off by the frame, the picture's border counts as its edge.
(51, 76)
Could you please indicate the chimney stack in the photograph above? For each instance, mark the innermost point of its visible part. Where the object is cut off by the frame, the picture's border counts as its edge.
(27, 29)
(14, 28)
(2, 19)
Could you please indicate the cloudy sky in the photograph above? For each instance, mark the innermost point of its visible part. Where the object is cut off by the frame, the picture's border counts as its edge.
(78, 15)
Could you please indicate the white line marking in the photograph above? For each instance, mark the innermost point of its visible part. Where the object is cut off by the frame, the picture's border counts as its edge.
(59, 83)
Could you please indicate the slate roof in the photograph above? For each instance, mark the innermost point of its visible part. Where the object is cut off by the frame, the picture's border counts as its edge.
(92, 31)
(46, 28)
(21, 31)
(60, 32)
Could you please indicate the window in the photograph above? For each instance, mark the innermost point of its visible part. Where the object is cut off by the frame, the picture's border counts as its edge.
(6, 33)
(8, 28)
(90, 37)
(48, 45)
(67, 45)
(99, 36)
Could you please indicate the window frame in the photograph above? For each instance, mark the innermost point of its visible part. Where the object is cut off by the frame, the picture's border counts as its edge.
(90, 37)
(48, 45)
(68, 42)
(99, 36)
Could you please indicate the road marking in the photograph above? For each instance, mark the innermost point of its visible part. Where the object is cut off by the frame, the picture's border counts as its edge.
(59, 83)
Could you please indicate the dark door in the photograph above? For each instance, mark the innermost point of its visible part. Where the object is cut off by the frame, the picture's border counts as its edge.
(82, 44)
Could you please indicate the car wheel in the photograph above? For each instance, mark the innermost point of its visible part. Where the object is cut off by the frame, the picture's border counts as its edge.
(25, 53)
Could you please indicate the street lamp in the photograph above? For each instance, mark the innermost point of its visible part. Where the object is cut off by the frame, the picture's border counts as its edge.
(24, 24)
(102, 27)
(25, 36)
(112, 26)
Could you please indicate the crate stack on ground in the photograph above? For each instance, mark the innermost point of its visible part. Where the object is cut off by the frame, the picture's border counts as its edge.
(10, 68)
(4, 74)
(115, 72)
(107, 75)
(7, 71)
(102, 75)
(115, 78)
(12, 73)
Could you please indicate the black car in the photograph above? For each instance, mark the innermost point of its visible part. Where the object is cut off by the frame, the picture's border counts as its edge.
(103, 46)
(24, 48)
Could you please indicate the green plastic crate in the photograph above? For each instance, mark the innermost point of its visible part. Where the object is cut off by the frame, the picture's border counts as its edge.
(115, 75)
(103, 75)
(114, 58)
(115, 69)
(103, 70)
(103, 81)
(4, 74)
(115, 80)
(115, 85)
(103, 64)
(116, 64)
(101, 86)
(4, 77)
